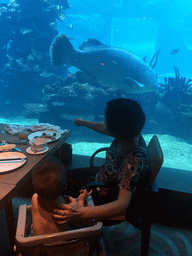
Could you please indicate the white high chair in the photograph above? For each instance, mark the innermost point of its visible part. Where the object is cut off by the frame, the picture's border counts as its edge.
(78, 242)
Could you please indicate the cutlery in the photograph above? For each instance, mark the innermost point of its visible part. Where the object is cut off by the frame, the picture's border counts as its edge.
(5, 143)
(12, 159)
(22, 142)
(17, 142)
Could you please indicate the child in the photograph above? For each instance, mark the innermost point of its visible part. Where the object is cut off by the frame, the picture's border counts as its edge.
(49, 181)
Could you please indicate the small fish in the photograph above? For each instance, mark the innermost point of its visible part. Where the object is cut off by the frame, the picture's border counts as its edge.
(189, 46)
(70, 26)
(174, 52)
(7, 102)
(9, 44)
(25, 31)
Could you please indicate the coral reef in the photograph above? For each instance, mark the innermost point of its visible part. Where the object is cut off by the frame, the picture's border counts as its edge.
(173, 110)
(27, 29)
(178, 89)
(67, 98)
(154, 59)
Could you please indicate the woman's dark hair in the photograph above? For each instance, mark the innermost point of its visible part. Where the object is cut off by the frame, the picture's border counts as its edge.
(124, 117)
(49, 178)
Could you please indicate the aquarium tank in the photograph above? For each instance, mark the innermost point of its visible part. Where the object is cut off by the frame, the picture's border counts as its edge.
(39, 88)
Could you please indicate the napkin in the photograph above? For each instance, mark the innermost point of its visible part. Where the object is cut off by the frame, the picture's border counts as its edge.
(15, 129)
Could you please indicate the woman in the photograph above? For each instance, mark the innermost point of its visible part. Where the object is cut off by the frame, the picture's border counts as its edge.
(126, 158)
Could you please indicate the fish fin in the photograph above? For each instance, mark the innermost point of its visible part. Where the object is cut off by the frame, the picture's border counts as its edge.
(60, 50)
(133, 82)
(91, 43)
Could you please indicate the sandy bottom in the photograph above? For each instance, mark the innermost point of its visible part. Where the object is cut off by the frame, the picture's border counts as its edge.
(177, 152)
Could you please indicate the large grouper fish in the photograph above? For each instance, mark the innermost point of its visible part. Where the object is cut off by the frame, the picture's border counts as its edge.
(109, 65)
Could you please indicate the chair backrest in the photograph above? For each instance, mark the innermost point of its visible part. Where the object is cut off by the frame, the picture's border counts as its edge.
(155, 158)
(51, 241)
(95, 153)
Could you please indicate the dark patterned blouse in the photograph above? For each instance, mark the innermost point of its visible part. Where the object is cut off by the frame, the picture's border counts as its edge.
(124, 170)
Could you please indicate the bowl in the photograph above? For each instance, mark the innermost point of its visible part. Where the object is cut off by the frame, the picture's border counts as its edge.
(38, 144)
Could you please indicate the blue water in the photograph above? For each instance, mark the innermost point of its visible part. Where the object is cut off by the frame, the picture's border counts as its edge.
(32, 90)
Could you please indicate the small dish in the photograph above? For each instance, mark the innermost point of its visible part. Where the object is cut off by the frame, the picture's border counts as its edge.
(38, 144)
(31, 152)
(7, 147)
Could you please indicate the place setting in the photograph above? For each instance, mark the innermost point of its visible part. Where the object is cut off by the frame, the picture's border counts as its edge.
(37, 142)
(9, 159)
(12, 158)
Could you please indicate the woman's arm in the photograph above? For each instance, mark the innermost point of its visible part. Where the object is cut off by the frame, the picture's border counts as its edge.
(95, 126)
(116, 208)
(105, 211)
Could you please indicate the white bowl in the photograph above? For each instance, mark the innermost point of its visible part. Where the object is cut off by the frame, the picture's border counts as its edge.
(38, 144)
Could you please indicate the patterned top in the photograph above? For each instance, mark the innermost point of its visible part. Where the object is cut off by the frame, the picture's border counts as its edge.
(124, 170)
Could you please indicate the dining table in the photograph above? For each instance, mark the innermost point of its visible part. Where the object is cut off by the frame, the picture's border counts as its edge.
(12, 181)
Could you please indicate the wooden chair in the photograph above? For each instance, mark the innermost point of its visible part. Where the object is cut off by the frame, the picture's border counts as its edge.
(79, 242)
(140, 209)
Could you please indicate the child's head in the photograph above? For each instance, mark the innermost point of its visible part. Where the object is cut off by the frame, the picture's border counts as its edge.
(49, 179)
(124, 118)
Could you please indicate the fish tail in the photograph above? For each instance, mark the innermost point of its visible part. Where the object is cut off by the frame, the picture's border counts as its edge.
(60, 50)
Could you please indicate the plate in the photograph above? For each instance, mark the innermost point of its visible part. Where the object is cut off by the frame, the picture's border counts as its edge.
(31, 152)
(11, 165)
(7, 147)
(48, 133)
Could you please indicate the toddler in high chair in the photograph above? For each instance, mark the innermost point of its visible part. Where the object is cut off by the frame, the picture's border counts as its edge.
(49, 182)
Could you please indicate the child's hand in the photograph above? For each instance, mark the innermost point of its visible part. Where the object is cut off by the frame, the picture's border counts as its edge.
(82, 196)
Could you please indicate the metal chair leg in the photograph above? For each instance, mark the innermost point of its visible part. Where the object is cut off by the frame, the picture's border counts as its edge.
(145, 239)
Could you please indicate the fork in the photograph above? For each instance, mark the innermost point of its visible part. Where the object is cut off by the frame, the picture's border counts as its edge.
(5, 143)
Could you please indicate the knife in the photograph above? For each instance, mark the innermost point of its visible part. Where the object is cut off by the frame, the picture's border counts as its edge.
(12, 159)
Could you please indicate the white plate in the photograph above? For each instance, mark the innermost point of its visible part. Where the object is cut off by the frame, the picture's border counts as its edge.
(49, 133)
(31, 152)
(7, 147)
(11, 165)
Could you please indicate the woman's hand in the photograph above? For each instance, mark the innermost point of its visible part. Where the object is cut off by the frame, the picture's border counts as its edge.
(67, 212)
(78, 121)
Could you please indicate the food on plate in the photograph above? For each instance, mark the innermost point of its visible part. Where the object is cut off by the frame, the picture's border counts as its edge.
(51, 136)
